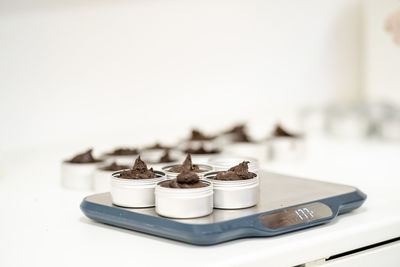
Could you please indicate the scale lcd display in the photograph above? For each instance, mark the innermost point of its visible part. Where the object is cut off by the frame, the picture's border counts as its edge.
(295, 215)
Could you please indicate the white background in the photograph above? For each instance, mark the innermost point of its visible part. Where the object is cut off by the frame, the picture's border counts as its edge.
(85, 73)
(381, 76)
(96, 73)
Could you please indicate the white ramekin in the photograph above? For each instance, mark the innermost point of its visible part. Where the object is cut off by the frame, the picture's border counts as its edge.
(286, 149)
(78, 176)
(151, 156)
(202, 158)
(235, 194)
(195, 144)
(225, 162)
(184, 202)
(348, 125)
(134, 193)
(172, 175)
(390, 129)
(225, 139)
(120, 159)
(102, 180)
(247, 149)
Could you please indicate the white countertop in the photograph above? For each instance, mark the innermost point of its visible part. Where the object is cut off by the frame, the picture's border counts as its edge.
(41, 223)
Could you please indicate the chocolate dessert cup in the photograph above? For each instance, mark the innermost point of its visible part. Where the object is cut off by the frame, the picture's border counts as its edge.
(172, 170)
(200, 146)
(161, 157)
(134, 188)
(186, 196)
(237, 134)
(225, 162)
(235, 188)
(122, 155)
(77, 173)
(258, 150)
(201, 153)
(102, 176)
(285, 146)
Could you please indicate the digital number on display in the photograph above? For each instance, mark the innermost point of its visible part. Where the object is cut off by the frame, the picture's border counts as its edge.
(295, 215)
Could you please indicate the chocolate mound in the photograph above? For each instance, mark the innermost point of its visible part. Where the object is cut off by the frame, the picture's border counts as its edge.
(281, 132)
(186, 165)
(85, 157)
(201, 150)
(138, 171)
(235, 129)
(238, 172)
(199, 136)
(157, 146)
(228, 176)
(114, 167)
(186, 179)
(124, 152)
(239, 134)
(165, 158)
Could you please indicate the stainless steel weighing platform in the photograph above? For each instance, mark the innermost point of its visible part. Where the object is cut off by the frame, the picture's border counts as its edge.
(286, 204)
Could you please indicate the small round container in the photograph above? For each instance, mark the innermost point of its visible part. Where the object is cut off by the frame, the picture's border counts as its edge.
(286, 149)
(78, 176)
(244, 149)
(225, 162)
(120, 159)
(207, 145)
(195, 144)
(184, 203)
(102, 180)
(172, 175)
(236, 194)
(224, 139)
(153, 155)
(390, 129)
(202, 158)
(134, 193)
(389, 126)
(348, 122)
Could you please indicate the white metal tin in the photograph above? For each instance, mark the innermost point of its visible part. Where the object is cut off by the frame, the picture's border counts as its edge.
(286, 149)
(224, 162)
(184, 202)
(102, 180)
(195, 144)
(236, 194)
(348, 123)
(151, 156)
(202, 158)
(134, 193)
(78, 176)
(390, 129)
(120, 159)
(244, 149)
(207, 145)
(172, 175)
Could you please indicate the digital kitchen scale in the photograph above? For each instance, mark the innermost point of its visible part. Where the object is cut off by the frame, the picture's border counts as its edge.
(286, 204)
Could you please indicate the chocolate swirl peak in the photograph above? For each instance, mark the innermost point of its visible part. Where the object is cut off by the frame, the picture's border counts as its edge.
(186, 179)
(85, 157)
(166, 158)
(199, 136)
(114, 167)
(279, 131)
(186, 165)
(138, 171)
(238, 172)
